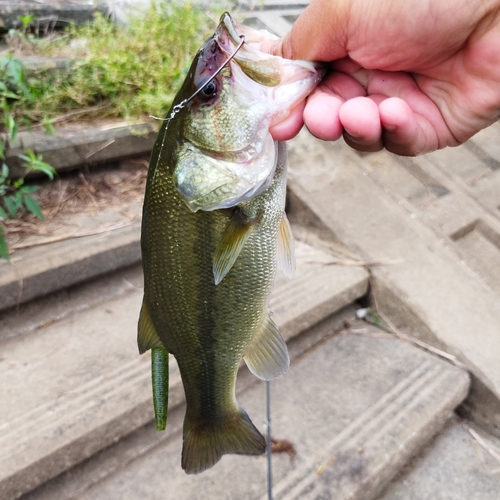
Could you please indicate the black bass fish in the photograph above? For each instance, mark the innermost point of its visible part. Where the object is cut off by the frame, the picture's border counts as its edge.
(213, 232)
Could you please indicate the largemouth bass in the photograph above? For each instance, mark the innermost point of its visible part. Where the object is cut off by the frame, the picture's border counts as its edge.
(213, 232)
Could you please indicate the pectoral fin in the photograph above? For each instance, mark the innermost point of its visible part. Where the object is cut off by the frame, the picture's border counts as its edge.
(286, 249)
(267, 355)
(231, 244)
(147, 337)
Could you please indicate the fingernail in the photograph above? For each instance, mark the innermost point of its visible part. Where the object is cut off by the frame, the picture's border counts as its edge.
(390, 127)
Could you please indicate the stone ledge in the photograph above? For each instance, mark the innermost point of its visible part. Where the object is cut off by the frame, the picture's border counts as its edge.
(425, 288)
(58, 13)
(354, 408)
(78, 145)
(40, 271)
(453, 467)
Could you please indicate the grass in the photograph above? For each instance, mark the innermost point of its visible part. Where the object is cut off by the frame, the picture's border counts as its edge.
(119, 72)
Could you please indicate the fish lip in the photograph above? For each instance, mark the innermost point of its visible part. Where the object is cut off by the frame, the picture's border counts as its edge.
(227, 21)
(228, 37)
(232, 31)
(246, 154)
(235, 30)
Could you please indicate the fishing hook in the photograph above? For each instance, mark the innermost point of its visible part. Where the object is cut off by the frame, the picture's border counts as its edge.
(179, 106)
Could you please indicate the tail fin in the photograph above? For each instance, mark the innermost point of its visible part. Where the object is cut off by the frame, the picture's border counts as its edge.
(204, 444)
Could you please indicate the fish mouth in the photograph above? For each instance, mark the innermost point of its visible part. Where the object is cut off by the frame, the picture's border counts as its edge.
(259, 66)
(262, 67)
(229, 156)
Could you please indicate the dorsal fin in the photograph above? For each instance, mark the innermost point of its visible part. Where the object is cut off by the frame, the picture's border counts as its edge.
(147, 337)
(267, 354)
(286, 248)
(231, 244)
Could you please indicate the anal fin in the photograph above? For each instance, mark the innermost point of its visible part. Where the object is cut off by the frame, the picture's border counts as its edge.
(147, 338)
(267, 355)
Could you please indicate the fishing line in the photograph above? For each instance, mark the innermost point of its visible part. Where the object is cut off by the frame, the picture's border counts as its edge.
(179, 106)
(268, 442)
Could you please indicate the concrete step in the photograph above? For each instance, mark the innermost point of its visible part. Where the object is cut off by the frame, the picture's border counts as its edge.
(454, 466)
(438, 235)
(354, 409)
(83, 247)
(78, 145)
(274, 18)
(48, 13)
(73, 383)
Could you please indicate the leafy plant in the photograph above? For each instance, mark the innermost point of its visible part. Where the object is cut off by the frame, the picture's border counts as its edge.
(22, 38)
(26, 22)
(15, 196)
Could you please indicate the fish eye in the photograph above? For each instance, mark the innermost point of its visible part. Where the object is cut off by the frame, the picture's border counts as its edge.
(209, 90)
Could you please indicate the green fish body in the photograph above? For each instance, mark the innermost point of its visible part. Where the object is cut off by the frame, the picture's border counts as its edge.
(211, 244)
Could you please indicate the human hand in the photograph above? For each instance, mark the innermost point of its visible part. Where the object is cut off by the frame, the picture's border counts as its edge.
(409, 76)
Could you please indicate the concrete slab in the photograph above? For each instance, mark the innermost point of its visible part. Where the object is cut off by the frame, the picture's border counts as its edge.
(453, 467)
(48, 13)
(74, 386)
(274, 4)
(380, 208)
(112, 242)
(277, 21)
(77, 145)
(355, 408)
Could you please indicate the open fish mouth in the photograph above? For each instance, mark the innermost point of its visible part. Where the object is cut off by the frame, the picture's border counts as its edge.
(228, 155)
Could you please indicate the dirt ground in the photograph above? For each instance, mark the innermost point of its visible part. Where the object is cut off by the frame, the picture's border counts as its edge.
(87, 191)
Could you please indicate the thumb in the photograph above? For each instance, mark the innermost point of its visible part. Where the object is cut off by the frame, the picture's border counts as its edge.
(279, 47)
(315, 35)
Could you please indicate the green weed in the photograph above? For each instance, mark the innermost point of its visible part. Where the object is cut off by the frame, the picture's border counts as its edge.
(125, 72)
(15, 196)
